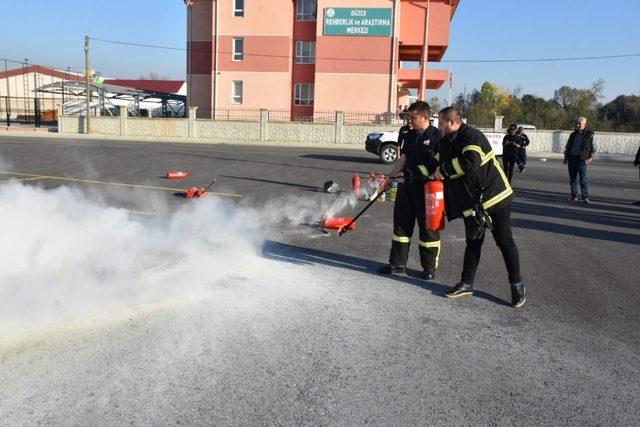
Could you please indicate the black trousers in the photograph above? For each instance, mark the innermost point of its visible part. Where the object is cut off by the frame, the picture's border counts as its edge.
(504, 239)
(409, 209)
(508, 164)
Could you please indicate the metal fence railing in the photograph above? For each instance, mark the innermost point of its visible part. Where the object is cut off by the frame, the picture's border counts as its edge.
(359, 117)
(31, 110)
(280, 115)
(239, 114)
(43, 111)
(306, 115)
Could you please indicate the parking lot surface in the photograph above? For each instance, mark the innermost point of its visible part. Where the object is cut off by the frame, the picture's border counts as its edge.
(302, 330)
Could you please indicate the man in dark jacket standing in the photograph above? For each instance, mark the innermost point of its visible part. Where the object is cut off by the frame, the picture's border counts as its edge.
(578, 154)
(419, 145)
(522, 154)
(476, 188)
(636, 162)
(510, 147)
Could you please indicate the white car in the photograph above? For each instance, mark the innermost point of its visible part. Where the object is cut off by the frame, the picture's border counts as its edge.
(385, 144)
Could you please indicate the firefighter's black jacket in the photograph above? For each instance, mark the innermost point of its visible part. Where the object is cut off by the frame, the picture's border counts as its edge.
(402, 134)
(468, 164)
(419, 148)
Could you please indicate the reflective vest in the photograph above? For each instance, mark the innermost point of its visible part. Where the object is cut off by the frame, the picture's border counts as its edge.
(468, 163)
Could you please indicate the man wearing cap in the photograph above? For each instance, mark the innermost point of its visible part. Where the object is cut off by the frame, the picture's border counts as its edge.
(578, 154)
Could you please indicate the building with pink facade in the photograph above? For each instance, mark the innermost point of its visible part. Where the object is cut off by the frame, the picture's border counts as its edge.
(311, 56)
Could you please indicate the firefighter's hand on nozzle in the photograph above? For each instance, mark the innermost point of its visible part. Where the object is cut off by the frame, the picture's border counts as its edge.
(400, 178)
(437, 174)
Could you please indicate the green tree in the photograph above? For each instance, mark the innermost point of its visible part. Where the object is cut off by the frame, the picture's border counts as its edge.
(489, 101)
(542, 113)
(580, 102)
(462, 103)
(434, 103)
(622, 114)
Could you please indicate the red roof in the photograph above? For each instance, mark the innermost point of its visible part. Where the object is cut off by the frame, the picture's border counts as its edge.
(159, 86)
(42, 70)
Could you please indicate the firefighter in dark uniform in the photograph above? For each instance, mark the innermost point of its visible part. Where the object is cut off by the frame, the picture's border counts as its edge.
(419, 145)
(476, 188)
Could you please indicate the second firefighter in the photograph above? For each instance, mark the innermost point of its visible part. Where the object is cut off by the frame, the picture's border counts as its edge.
(417, 147)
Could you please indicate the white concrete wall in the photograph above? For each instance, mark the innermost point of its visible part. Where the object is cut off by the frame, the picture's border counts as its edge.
(606, 142)
(227, 130)
(170, 128)
(541, 141)
(308, 132)
(105, 125)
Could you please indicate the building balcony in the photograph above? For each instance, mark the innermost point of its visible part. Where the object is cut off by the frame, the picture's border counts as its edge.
(410, 79)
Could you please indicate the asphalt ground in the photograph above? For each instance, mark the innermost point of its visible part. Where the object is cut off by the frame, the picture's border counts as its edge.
(341, 344)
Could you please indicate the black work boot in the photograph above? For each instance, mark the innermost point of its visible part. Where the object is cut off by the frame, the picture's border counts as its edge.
(460, 290)
(429, 274)
(517, 295)
(391, 269)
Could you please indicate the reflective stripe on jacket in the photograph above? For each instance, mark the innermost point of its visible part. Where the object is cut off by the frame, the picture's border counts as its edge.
(468, 163)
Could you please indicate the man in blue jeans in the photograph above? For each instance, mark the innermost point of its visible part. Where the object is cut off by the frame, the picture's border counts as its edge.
(578, 154)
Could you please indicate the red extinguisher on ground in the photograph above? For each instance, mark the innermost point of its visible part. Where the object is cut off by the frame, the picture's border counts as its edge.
(355, 184)
(434, 205)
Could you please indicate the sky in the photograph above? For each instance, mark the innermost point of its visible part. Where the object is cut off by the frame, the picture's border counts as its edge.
(52, 33)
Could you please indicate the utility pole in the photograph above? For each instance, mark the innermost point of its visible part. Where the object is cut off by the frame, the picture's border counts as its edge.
(6, 73)
(450, 86)
(425, 56)
(86, 82)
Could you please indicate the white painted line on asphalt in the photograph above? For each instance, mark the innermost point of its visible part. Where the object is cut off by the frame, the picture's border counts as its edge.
(120, 184)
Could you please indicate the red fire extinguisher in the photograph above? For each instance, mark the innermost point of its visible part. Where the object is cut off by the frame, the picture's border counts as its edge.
(177, 174)
(434, 205)
(339, 223)
(355, 183)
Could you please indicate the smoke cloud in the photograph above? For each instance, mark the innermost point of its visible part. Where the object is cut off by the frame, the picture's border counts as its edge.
(72, 260)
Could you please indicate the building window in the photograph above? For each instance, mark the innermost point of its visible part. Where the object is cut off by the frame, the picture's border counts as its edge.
(305, 52)
(306, 10)
(238, 49)
(238, 8)
(236, 92)
(303, 94)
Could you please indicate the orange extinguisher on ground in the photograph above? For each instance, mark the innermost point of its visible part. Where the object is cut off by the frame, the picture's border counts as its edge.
(434, 205)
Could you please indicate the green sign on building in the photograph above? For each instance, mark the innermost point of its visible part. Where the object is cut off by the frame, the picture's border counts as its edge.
(365, 21)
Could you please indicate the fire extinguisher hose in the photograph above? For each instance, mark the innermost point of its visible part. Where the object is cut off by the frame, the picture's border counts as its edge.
(345, 228)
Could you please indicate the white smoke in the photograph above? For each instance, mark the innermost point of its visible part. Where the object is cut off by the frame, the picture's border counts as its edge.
(69, 259)
(296, 210)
